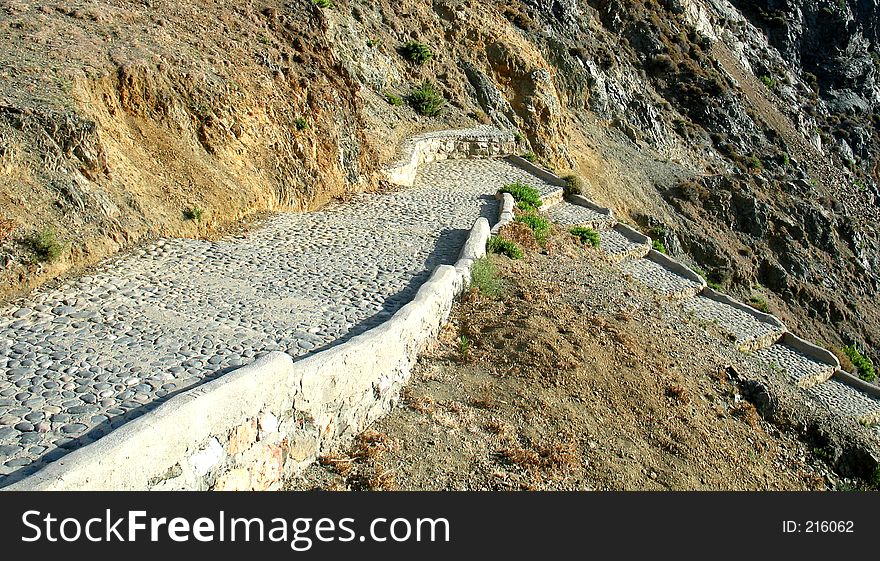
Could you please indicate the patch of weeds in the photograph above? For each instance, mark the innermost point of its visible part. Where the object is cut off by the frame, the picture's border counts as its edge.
(776, 369)
(518, 137)
(768, 81)
(372, 43)
(393, 99)
(863, 364)
(323, 3)
(194, 213)
(755, 164)
(46, 245)
(539, 226)
(499, 245)
(529, 157)
(527, 197)
(464, 345)
(416, 52)
(845, 363)
(426, 100)
(759, 304)
(264, 40)
(301, 123)
(484, 277)
(714, 285)
(657, 245)
(574, 185)
(586, 235)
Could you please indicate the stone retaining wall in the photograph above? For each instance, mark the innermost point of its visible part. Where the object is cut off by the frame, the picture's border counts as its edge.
(810, 350)
(435, 146)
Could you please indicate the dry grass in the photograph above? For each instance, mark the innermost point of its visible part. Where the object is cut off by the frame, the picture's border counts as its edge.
(362, 469)
(678, 393)
(7, 226)
(421, 403)
(543, 460)
(747, 413)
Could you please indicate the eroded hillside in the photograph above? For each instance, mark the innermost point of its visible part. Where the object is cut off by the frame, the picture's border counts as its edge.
(742, 136)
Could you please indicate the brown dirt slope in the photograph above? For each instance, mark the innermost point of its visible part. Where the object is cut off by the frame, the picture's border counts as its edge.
(564, 382)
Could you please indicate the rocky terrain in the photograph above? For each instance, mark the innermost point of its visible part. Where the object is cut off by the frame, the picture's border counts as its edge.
(743, 134)
(562, 374)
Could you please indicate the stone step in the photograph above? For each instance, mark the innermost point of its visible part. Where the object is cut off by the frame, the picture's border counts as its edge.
(747, 331)
(569, 215)
(550, 199)
(619, 245)
(660, 279)
(802, 370)
(847, 400)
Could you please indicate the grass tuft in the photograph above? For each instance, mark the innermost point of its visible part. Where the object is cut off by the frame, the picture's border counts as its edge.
(426, 100)
(46, 245)
(586, 235)
(863, 364)
(501, 246)
(527, 197)
(484, 277)
(416, 52)
(538, 224)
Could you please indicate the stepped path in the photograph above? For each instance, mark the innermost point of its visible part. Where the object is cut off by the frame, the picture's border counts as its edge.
(809, 368)
(78, 362)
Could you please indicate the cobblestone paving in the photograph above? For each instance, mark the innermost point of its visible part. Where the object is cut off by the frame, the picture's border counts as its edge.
(79, 361)
(619, 247)
(659, 279)
(800, 369)
(745, 329)
(847, 400)
(567, 214)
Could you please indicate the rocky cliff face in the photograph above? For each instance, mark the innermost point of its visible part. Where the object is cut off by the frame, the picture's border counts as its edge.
(741, 133)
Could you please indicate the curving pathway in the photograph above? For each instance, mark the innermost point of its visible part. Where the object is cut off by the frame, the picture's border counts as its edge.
(78, 362)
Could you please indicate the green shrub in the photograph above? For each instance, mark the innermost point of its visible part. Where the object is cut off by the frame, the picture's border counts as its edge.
(530, 156)
(501, 246)
(863, 364)
(756, 164)
(768, 81)
(586, 235)
(426, 100)
(464, 345)
(46, 245)
(484, 277)
(657, 245)
(518, 137)
(527, 197)
(574, 185)
(415, 52)
(301, 123)
(713, 285)
(759, 304)
(393, 99)
(539, 225)
(323, 3)
(194, 213)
